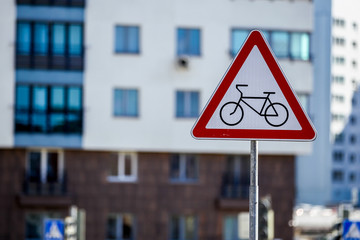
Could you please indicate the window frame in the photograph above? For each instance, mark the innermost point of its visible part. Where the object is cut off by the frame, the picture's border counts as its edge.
(182, 226)
(187, 49)
(182, 163)
(44, 163)
(116, 105)
(187, 108)
(126, 40)
(121, 176)
(50, 38)
(48, 112)
(119, 224)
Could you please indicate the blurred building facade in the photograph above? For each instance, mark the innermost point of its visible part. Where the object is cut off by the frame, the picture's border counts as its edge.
(98, 99)
(331, 174)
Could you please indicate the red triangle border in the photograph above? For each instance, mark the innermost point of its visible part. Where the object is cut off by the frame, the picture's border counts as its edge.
(307, 132)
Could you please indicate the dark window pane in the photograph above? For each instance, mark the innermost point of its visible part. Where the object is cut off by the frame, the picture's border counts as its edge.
(127, 228)
(57, 101)
(175, 228)
(21, 122)
(38, 122)
(175, 167)
(57, 122)
(23, 38)
(75, 39)
(33, 226)
(74, 98)
(127, 165)
(194, 104)
(41, 39)
(191, 168)
(35, 166)
(22, 97)
(58, 39)
(111, 227)
(180, 104)
(52, 167)
(113, 165)
(74, 123)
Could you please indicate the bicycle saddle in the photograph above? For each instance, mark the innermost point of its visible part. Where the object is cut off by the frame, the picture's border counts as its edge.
(269, 92)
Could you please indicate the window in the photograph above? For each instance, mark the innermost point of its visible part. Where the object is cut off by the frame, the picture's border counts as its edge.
(352, 158)
(352, 138)
(337, 176)
(187, 104)
(300, 46)
(48, 109)
(338, 79)
(126, 102)
(280, 44)
(23, 38)
(353, 120)
(230, 228)
(294, 45)
(127, 39)
(120, 227)
(183, 168)
(339, 138)
(183, 228)
(352, 177)
(337, 98)
(338, 156)
(188, 42)
(123, 167)
(45, 38)
(45, 166)
(238, 37)
(34, 222)
(304, 100)
(339, 60)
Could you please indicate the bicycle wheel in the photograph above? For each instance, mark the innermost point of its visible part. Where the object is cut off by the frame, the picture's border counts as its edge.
(231, 113)
(276, 114)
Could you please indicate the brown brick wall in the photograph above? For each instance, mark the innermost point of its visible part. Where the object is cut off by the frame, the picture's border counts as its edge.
(152, 199)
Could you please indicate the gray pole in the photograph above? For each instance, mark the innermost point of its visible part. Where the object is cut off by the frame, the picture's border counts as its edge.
(254, 191)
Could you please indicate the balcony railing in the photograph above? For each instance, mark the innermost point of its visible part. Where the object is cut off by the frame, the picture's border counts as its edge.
(50, 62)
(51, 187)
(69, 3)
(234, 186)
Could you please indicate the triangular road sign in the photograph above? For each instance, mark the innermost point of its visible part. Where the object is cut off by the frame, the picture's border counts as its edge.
(254, 101)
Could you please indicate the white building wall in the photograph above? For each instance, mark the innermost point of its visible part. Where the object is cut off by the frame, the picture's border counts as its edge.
(155, 74)
(7, 46)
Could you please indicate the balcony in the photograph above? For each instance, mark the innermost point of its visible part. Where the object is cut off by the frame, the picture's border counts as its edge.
(65, 3)
(50, 62)
(234, 192)
(52, 192)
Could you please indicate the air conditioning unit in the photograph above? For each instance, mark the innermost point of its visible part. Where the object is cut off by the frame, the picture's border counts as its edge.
(183, 61)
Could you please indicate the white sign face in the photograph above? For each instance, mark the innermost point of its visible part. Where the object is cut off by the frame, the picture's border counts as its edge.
(262, 101)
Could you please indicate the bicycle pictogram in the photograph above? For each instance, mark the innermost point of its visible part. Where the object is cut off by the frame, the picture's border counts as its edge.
(275, 113)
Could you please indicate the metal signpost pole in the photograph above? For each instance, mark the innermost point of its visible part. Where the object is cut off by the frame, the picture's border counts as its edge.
(254, 191)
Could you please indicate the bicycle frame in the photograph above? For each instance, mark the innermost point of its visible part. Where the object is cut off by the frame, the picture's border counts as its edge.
(263, 106)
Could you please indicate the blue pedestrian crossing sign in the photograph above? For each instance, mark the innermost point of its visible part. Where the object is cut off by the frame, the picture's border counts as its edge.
(53, 229)
(351, 230)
